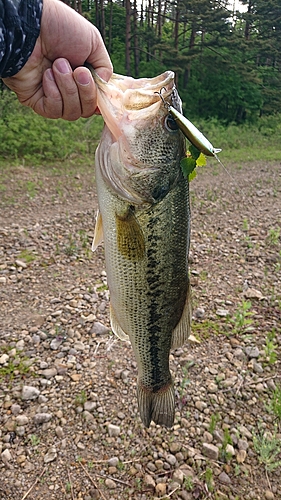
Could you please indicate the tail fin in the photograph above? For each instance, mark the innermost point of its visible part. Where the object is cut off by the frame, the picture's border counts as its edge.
(157, 406)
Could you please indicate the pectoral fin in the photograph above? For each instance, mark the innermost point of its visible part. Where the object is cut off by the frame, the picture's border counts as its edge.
(181, 333)
(98, 234)
(130, 238)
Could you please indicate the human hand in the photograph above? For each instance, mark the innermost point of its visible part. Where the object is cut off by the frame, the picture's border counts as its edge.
(53, 81)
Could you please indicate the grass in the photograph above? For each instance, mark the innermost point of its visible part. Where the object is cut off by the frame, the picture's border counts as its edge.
(204, 329)
(225, 456)
(273, 236)
(237, 141)
(274, 405)
(209, 479)
(27, 256)
(15, 366)
(242, 317)
(268, 449)
(215, 417)
(271, 347)
(35, 139)
(34, 440)
(81, 398)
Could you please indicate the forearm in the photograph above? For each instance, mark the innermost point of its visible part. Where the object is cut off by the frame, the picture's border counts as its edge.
(19, 30)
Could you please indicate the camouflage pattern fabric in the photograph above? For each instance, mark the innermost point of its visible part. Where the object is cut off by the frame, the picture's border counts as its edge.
(19, 30)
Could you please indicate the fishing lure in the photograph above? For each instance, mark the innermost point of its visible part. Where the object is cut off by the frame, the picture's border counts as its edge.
(197, 139)
(190, 131)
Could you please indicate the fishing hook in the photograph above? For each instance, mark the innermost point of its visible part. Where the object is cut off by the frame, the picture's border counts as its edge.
(166, 104)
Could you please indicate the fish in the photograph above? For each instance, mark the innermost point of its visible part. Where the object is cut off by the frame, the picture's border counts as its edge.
(144, 222)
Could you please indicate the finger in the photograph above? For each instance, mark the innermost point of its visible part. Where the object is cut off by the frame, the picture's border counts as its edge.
(87, 91)
(68, 89)
(50, 104)
(99, 57)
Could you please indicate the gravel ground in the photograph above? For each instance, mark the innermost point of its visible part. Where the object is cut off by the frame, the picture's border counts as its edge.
(69, 425)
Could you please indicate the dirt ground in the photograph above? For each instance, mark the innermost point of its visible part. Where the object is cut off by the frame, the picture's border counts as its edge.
(69, 425)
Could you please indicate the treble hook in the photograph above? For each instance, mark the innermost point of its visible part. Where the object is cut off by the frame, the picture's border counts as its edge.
(166, 104)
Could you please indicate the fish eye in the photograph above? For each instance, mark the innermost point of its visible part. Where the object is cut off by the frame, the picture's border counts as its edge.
(170, 123)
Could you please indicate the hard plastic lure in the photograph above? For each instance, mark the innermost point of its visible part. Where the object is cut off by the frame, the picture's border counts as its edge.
(191, 132)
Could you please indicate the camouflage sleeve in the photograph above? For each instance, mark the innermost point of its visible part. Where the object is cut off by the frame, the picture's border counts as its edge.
(19, 30)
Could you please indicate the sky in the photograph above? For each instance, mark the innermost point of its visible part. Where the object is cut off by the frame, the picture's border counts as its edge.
(238, 5)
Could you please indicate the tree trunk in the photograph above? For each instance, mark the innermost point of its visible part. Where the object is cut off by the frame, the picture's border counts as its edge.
(128, 38)
(176, 30)
(97, 14)
(248, 21)
(102, 20)
(136, 40)
(110, 26)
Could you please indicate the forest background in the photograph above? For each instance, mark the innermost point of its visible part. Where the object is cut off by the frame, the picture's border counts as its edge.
(227, 65)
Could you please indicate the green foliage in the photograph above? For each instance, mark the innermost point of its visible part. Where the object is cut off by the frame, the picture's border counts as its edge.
(271, 347)
(36, 139)
(81, 398)
(273, 236)
(192, 160)
(203, 329)
(34, 440)
(27, 256)
(209, 479)
(215, 417)
(16, 365)
(227, 63)
(274, 404)
(268, 449)
(242, 318)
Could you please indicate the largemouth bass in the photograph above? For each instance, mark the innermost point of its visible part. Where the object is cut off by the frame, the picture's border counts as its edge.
(144, 220)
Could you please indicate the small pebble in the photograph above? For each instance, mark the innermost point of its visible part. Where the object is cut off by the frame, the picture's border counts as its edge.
(110, 484)
(224, 478)
(41, 418)
(29, 392)
(113, 430)
(269, 495)
(211, 451)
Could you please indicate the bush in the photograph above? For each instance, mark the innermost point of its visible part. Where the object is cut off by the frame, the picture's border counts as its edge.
(27, 135)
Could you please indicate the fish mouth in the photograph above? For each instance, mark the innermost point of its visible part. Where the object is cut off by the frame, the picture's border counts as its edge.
(125, 98)
(137, 93)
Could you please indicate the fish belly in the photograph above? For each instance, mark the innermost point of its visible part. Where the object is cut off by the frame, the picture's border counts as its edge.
(146, 255)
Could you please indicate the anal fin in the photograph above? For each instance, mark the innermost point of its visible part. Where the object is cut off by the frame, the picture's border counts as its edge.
(181, 332)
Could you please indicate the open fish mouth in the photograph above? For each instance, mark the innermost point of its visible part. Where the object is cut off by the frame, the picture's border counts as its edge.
(137, 93)
(126, 99)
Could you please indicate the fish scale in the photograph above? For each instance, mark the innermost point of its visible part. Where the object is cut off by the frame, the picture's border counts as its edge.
(146, 249)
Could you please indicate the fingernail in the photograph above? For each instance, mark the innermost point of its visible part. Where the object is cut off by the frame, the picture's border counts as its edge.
(50, 74)
(83, 78)
(63, 66)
